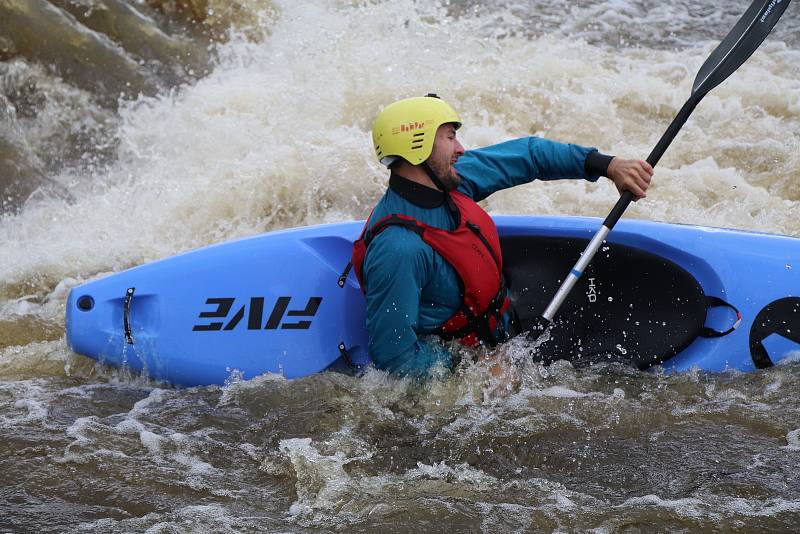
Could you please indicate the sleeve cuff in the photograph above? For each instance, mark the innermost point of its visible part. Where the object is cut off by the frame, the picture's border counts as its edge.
(596, 164)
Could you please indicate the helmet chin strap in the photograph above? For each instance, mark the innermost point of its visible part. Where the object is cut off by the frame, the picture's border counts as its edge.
(432, 175)
(451, 206)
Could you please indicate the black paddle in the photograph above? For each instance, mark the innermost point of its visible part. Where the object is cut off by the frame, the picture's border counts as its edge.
(741, 42)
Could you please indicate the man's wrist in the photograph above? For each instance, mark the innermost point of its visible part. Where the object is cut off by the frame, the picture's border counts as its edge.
(597, 163)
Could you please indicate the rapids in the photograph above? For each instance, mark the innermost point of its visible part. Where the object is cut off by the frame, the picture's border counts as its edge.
(139, 129)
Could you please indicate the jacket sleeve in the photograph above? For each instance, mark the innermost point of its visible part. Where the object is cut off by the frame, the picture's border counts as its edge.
(396, 269)
(486, 170)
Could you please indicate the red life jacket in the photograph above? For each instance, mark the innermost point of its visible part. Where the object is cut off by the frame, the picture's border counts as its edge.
(473, 250)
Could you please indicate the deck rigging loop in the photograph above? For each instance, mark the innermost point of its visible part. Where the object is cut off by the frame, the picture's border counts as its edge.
(713, 302)
(343, 276)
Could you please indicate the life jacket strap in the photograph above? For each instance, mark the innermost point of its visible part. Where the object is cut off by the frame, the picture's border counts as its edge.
(481, 328)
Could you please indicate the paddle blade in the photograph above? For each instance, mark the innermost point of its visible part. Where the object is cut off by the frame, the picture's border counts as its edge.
(740, 43)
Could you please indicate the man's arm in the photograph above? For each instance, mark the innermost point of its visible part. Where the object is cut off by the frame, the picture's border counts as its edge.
(396, 269)
(519, 161)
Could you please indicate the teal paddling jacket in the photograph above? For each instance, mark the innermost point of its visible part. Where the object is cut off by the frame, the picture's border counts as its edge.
(411, 290)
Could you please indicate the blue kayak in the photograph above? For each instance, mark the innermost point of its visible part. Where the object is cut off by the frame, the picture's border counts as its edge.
(656, 294)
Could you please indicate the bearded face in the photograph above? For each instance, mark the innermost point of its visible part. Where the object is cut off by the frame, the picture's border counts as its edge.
(446, 151)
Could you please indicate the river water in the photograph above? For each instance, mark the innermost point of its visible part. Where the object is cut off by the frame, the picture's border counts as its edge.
(197, 122)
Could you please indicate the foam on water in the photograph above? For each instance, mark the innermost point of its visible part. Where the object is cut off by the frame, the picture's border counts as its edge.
(39, 360)
(690, 507)
(28, 405)
(328, 495)
(793, 439)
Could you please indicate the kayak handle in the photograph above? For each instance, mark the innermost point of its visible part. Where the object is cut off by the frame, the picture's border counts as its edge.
(126, 316)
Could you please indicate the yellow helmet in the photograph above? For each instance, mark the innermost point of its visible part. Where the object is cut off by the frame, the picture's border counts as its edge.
(407, 128)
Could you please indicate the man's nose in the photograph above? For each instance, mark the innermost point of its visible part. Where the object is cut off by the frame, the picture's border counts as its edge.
(459, 148)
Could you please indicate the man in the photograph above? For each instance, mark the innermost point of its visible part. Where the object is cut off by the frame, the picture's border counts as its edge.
(429, 260)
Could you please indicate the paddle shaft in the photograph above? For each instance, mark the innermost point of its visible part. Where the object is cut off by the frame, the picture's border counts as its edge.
(619, 208)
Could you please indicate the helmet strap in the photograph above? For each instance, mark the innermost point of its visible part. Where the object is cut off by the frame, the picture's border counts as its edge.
(432, 175)
(451, 206)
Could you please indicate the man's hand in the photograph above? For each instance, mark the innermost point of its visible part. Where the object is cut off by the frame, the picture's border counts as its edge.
(630, 175)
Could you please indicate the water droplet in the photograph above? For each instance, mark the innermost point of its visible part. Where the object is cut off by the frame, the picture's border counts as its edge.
(610, 299)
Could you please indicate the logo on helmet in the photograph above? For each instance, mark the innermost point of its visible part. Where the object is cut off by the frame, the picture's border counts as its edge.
(409, 127)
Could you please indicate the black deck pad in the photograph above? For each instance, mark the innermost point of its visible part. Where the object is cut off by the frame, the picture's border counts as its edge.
(630, 305)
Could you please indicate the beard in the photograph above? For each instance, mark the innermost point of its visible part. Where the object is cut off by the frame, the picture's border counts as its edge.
(445, 172)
